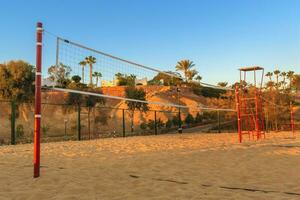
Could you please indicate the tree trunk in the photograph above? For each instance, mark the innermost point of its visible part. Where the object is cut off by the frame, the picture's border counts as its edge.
(83, 75)
(91, 74)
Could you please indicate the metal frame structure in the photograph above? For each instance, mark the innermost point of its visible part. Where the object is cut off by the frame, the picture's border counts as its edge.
(250, 116)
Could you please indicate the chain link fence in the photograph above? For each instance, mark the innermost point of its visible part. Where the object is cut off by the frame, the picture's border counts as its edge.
(65, 122)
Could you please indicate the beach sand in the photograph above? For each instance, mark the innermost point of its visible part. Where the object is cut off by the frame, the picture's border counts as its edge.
(187, 166)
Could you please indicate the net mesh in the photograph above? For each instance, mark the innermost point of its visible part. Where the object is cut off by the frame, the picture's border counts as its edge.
(99, 105)
(77, 57)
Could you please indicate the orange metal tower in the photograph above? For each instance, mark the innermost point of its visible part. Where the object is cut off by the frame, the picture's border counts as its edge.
(249, 104)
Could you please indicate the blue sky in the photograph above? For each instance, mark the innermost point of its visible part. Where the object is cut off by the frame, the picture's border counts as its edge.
(218, 35)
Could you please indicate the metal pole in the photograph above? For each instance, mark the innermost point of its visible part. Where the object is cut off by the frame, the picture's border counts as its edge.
(65, 127)
(155, 123)
(292, 118)
(123, 117)
(267, 121)
(37, 116)
(237, 97)
(257, 126)
(78, 122)
(13, 122)
(179, 111)
(219, 125)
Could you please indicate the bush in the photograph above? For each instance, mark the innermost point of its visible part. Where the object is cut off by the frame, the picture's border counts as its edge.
(175, 120)
(20, 130)
(210, 116)
(189, 119)
(169, 124)
(151, 124)
(160, 124)
(45, 129)
(143, 126)
(199, 118)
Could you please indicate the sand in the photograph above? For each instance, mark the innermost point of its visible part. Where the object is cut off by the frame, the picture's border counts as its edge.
(188, 166)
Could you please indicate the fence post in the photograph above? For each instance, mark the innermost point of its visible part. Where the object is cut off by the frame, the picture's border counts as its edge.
(155, 123)
(123, 119)
(78, 123)
(13, 122)
(179, 121)
(219, 125)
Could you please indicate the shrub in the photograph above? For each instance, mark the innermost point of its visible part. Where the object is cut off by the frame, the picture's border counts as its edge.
(20, 130)
(175, 120)
(189, 119)
(169, 124)
(151, 124)
(160, 124)
(199, 118)
(45, 129)
(143, 126)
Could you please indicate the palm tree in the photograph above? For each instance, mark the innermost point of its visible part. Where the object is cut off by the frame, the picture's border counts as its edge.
(97, 75)
(82, 64)
(90, 60)
(283, 75)
(276, 73)
(269, 75)
(198, 78)
(290, 76)
(191, 74)
(185, 66)
(222, 84)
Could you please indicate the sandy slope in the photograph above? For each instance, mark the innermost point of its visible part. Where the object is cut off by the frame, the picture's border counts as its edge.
(188, 166)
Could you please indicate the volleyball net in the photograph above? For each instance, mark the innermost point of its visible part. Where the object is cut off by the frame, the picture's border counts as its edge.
(135, 96)
(86, 93)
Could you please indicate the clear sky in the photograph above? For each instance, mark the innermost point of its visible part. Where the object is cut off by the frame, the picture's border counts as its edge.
(218, 35)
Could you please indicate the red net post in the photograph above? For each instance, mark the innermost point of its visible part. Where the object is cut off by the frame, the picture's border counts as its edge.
(37, 113)
(238, 109)
(257, 125)
(292, 119)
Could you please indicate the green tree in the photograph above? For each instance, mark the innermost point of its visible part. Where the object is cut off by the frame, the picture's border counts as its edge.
(97, 75)
(283, 82)
(290, 76)
(60, 74)
(82, 64)
(269, 75)
(198, 78)
(169, 124)
(165, 79)
(175, 120)
(90, 60)
(138, 94)
(126, 80)
(223, 84)
(76, 79)
(191, 74)
(198, 118)
(189, 119)
(89, 101)
(17, 81)
(186, 67)
(277, 73)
